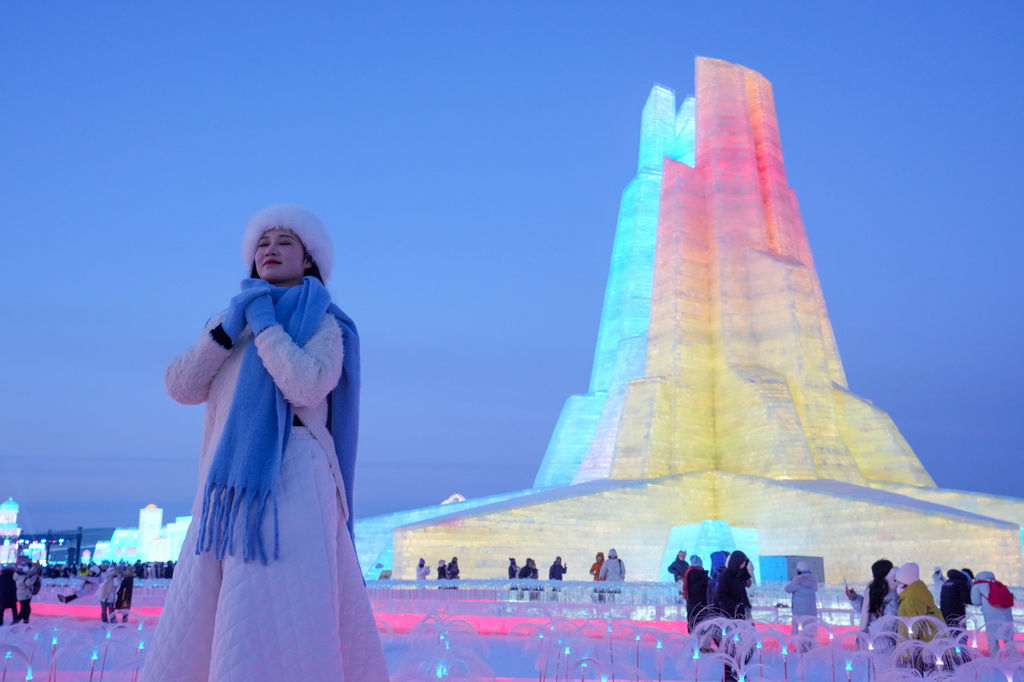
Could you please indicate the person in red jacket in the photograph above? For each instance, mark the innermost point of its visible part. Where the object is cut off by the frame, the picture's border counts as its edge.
(595, 568)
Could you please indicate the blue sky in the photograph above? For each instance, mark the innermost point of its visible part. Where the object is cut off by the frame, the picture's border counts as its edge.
(469, 158)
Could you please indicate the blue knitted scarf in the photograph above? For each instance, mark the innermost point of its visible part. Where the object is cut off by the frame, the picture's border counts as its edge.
(247, 463)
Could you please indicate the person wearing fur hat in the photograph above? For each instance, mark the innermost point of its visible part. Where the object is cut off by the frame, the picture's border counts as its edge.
(916, 600)
(268, 585)
(804, 588)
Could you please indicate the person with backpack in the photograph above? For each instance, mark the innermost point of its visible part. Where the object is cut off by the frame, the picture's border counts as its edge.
(613, 570)
(28, 582)
(717, 569)
(996, 602)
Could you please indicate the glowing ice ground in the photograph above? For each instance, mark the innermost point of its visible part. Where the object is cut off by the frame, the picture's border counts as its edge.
(484, 630)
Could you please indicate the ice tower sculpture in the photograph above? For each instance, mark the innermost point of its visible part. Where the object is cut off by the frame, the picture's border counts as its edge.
(717, 391)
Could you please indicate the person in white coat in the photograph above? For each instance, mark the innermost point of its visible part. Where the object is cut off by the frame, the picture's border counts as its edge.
(998, 621)
(613, 569)
(110, 581)
(804, 588)
(267, 586)
(422, 570)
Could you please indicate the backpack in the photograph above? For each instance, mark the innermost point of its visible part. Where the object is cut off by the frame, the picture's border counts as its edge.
(712, 594)
(999, 595)
(36, 586)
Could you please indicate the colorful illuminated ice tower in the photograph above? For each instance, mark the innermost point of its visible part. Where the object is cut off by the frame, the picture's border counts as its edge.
(717, 393)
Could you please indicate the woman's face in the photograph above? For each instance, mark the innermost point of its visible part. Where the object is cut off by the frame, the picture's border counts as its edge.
(281, 258)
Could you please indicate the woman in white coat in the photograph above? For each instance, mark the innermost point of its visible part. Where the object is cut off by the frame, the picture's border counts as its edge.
(267, 586)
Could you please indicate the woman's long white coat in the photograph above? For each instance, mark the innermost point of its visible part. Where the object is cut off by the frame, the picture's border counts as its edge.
(305, 616)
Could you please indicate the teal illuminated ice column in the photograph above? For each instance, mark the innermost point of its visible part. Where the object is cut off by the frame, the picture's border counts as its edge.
(587, 428)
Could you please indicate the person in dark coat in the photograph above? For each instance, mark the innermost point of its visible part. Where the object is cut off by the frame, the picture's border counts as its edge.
(717, 569)
(442, 570)
(529, 571)
(453, 568)
(954, 597)
(732, 587)
(695, 592)
(8, 594)
(123, 600)
(513, 570)
(557, 569)
(678, 567)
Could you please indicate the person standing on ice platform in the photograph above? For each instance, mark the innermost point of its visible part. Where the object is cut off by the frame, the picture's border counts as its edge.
(267, 586)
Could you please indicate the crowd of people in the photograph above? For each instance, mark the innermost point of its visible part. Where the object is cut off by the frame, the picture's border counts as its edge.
(112, 582)
(614, 569)
(894, 593)
(152, 570)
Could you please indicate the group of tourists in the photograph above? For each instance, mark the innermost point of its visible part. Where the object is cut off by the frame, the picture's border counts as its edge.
(445, 571)
(113, 583)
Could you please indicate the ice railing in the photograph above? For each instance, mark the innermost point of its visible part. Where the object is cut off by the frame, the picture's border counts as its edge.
(646, 600)
(661, 601)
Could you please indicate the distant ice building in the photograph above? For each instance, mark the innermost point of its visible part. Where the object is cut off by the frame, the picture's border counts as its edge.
(9, 531)
(151, 541)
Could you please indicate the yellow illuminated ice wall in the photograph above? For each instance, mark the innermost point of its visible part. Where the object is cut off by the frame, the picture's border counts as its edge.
(717, 393)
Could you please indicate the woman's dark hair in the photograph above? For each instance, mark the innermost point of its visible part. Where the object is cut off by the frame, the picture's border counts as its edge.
(879, 587)
(311, 271)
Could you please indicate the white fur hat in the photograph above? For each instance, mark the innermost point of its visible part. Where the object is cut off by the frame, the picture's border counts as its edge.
(908, 573)
(303, 223)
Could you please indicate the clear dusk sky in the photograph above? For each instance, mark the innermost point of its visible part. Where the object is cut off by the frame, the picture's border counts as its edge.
(468, 158)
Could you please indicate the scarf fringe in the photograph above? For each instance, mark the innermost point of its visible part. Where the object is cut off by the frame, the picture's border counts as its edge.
(221, 507)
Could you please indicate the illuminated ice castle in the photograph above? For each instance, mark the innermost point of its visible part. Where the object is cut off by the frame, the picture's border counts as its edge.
(718, 412)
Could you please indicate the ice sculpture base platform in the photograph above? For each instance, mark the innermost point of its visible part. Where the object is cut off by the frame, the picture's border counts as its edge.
(850, 526)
